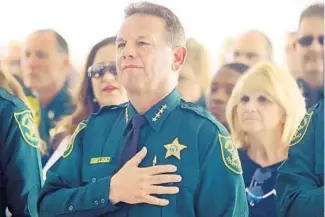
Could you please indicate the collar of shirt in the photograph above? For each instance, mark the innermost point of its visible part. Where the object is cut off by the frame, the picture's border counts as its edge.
(157, 114)
(307, 89)
(61, 103)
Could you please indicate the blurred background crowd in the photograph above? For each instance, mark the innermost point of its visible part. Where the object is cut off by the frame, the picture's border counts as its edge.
(256, 65)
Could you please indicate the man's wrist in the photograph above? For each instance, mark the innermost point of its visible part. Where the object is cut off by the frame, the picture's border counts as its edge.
(112, 193)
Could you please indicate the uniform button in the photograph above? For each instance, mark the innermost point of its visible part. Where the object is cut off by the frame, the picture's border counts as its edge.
(102, 200)
(70, 208)
(96, 202)
(93, 180)
(51, 115)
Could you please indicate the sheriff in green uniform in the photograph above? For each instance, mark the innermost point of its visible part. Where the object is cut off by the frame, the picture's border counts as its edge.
(155, 156)
(20, 173)
(300, 184)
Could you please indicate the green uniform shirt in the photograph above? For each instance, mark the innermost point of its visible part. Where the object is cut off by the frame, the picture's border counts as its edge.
(60, 106)
(178, 133)
(20, 172)
(311, 95)
(300, 184)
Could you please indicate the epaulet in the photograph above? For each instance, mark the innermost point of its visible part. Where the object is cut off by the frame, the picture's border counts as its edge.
(111, 108)
(199, 110)
(4, 94)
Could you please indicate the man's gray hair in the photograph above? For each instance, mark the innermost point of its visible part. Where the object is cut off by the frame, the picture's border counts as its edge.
(175, 30)
(314, 10)
(61, 42)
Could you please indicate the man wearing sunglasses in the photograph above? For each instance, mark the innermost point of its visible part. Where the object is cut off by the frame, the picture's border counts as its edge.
(157, 156)
(300, 184)
(310, 52)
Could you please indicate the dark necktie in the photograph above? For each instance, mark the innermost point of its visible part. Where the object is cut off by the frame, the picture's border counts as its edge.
(129, 149)
(130, 146)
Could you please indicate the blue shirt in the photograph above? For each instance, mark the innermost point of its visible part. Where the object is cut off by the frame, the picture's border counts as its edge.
(260, 185)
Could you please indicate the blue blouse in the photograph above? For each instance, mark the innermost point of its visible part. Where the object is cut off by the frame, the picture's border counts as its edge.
(260, 186)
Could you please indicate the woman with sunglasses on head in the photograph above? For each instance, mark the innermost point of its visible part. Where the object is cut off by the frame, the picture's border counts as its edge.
(263, 113)
(98, 86)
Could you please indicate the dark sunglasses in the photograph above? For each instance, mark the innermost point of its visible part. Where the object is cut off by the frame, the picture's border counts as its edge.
(98, 71)
(255, 192)
(308, 40)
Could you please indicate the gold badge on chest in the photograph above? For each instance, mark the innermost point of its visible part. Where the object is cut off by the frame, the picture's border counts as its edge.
(174, 149)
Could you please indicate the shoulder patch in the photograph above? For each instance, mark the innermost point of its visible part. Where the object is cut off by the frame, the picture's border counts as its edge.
(70, 145)
(229, 154)
(27, 128)
(302, 128)
(199, 110)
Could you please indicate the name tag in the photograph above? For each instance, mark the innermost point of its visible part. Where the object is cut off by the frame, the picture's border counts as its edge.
(99, 160)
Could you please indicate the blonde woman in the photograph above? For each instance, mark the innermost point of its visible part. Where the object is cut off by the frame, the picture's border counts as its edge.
(20, 180)
(195, 76)
(263, 113)
(98, 86)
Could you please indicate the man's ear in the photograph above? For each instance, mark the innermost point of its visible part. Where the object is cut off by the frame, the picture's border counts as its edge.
(66, 62)
(180, 54)
(294, 44)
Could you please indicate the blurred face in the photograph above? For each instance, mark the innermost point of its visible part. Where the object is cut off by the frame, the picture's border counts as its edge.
(310, 49)
(106, 87)
(44, 66)
(291, 55)
(189, 89)
(12, 61)
(221, 88)
(250, 49)
(257, 112)
(145, 61)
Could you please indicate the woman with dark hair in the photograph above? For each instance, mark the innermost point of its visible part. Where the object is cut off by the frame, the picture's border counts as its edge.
(99, 86)
(221, 88)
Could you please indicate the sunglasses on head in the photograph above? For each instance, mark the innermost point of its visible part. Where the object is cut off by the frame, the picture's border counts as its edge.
(98, 71)
(255, 191)
(308, 40)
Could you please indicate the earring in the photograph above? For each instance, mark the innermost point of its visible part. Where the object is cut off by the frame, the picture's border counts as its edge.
(95, 100)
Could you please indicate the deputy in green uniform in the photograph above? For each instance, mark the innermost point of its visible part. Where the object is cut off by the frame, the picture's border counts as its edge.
(46, 67)
(300, 184)
(20, 172)
(155, 156)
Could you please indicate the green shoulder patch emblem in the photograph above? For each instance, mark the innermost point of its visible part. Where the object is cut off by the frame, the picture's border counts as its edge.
(230, 154)
(70, 145)
(302, 129)
(27, 128)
